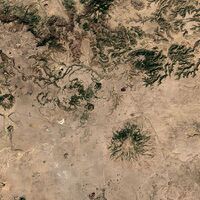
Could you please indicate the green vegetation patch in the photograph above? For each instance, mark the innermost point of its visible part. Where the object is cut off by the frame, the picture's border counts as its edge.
(129, 143)
(49, 31)
(69, 4)
(173, 15)
(7, 101)
(152, 63)
(112, 46)
(82, 95)
(22, 14)
(183, 58)
(97, 5)
(96, 10)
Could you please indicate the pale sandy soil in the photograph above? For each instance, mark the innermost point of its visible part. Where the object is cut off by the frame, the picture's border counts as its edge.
(56, 156)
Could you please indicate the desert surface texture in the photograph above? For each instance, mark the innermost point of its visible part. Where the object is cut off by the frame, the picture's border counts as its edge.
(99, 100)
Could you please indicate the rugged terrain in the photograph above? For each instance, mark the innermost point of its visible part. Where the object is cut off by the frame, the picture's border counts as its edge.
(99, 100)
